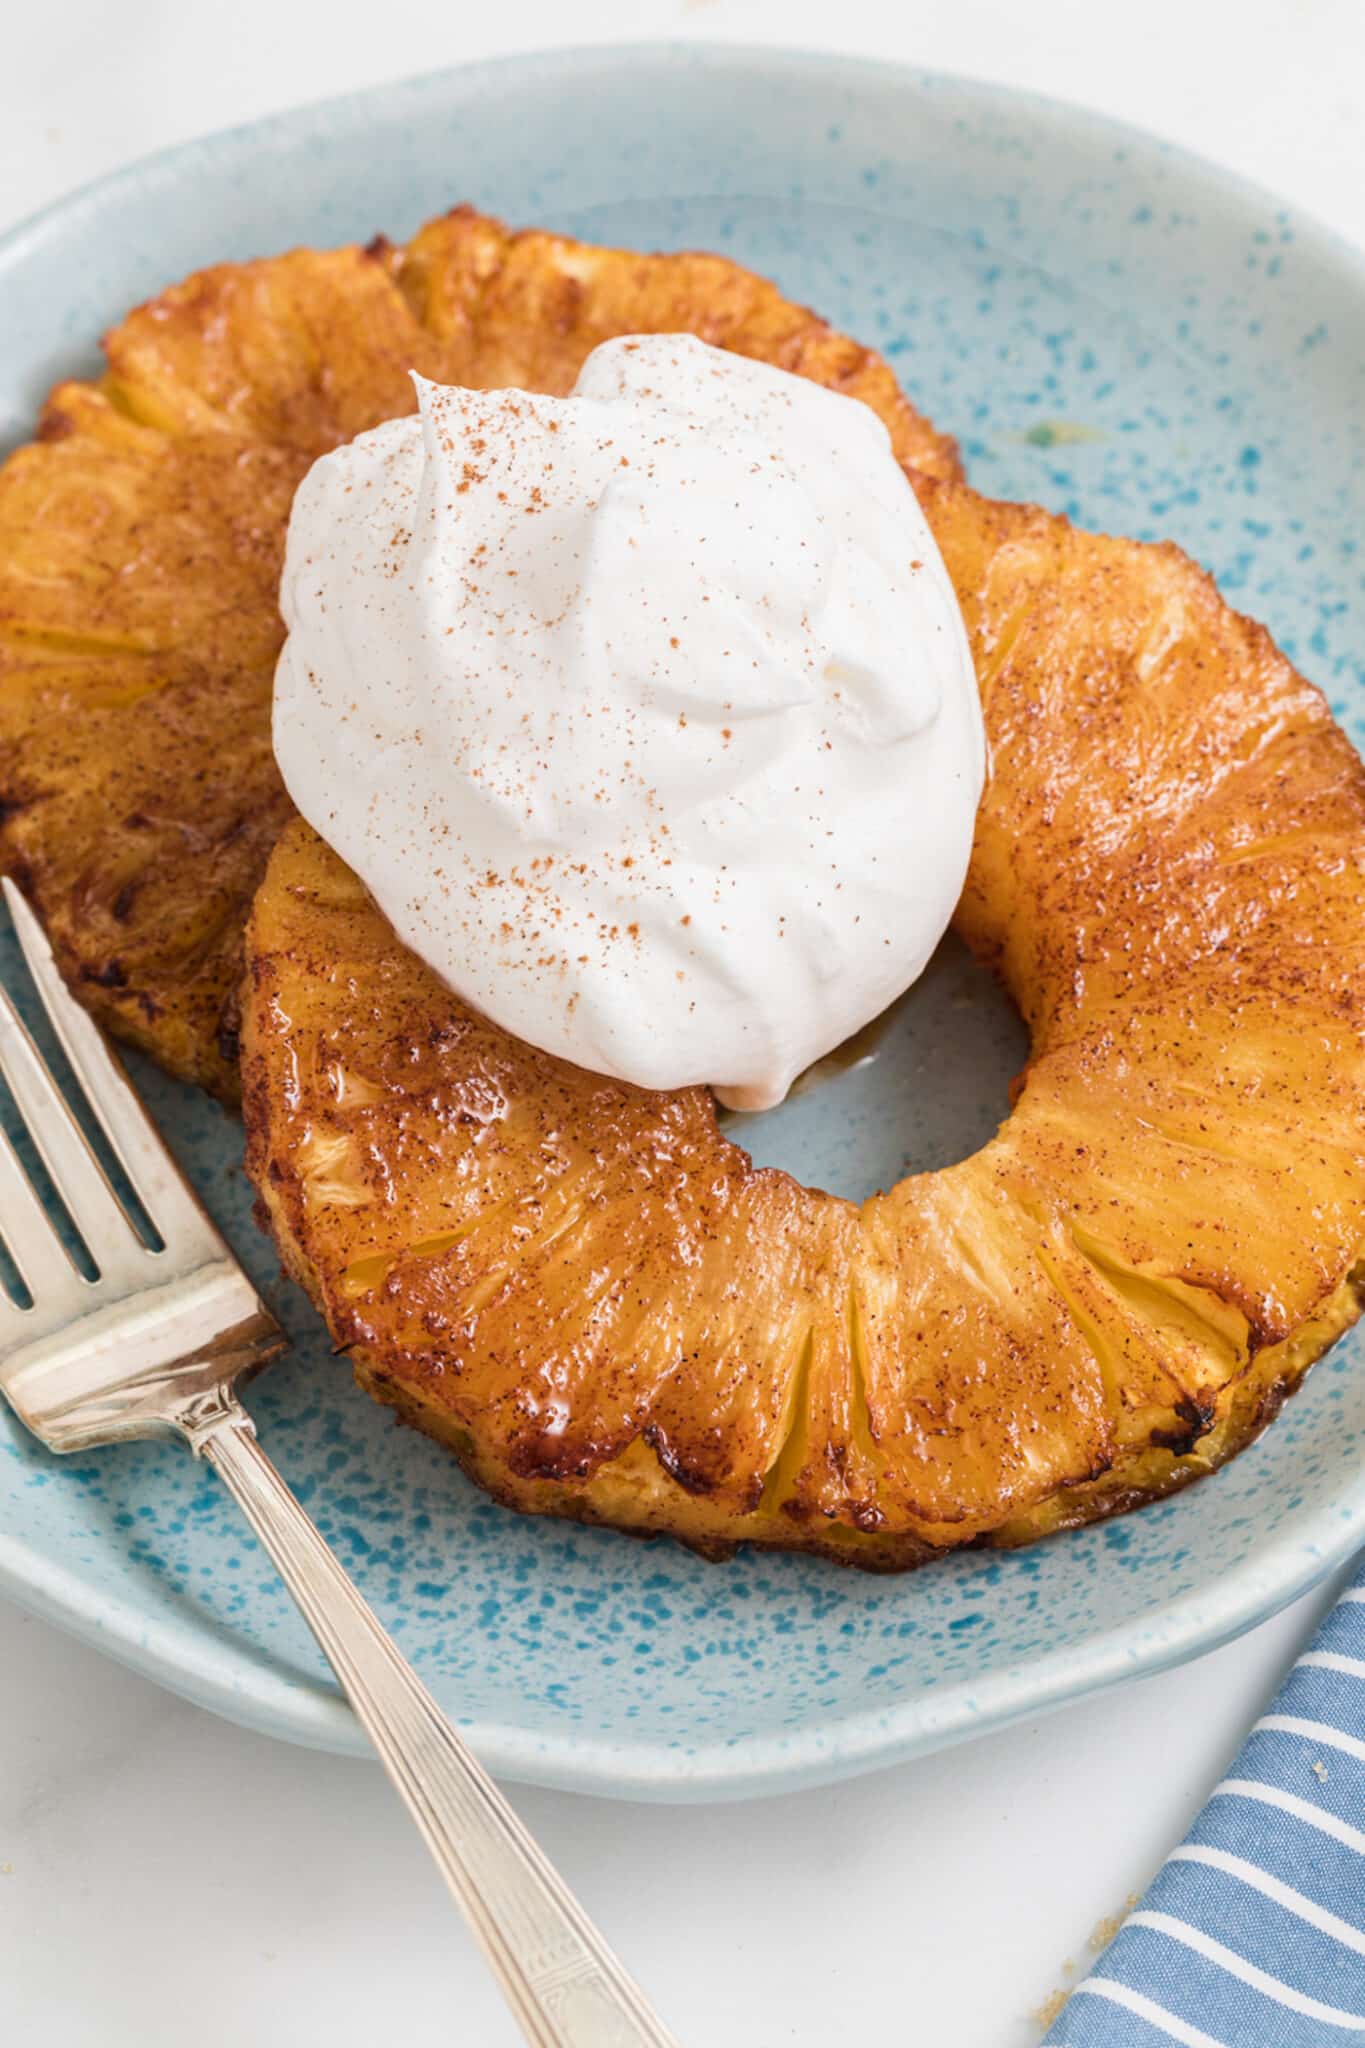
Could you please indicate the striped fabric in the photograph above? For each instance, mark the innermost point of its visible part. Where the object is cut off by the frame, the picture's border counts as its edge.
(1253, 1935)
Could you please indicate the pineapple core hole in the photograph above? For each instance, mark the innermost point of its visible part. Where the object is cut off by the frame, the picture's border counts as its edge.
(922, 1088)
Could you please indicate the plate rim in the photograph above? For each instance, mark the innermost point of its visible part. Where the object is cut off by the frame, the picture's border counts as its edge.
(261, 1695)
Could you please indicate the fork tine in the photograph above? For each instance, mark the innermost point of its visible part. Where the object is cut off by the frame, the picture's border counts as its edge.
(136, 1143)
(74, 1170)
(42, 1259)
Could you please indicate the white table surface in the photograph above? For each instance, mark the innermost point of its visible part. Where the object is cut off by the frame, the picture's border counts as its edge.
(166, 1879)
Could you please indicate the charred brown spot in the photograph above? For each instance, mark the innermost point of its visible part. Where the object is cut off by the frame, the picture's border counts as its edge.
(690, 1476)
(230, 1029)
(104, 973)
(1179, 1441)
(865, 1516)
(1198, 1419)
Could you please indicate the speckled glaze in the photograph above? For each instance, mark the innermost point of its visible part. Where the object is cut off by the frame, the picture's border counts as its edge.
(1109, 327)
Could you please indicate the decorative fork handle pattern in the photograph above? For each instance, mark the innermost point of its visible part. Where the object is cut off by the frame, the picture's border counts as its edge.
(562, 1981)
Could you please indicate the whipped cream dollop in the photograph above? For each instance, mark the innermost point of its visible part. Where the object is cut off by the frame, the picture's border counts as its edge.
(646, 715)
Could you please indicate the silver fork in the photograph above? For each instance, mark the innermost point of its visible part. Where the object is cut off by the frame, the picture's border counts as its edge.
(154, 1347)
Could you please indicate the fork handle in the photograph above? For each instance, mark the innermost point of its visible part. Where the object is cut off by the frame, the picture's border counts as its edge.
(561, 1980)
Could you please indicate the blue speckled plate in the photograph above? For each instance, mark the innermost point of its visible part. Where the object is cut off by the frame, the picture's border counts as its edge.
(1110, 327)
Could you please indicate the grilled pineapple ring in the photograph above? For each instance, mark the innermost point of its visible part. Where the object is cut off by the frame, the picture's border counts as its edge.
(141, 538)
(607, 1312)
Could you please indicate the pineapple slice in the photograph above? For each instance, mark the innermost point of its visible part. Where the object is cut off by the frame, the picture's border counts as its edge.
(607, 1312)
(141, 538)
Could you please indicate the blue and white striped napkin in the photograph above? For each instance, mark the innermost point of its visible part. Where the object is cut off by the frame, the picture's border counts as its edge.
(1253, 1935)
